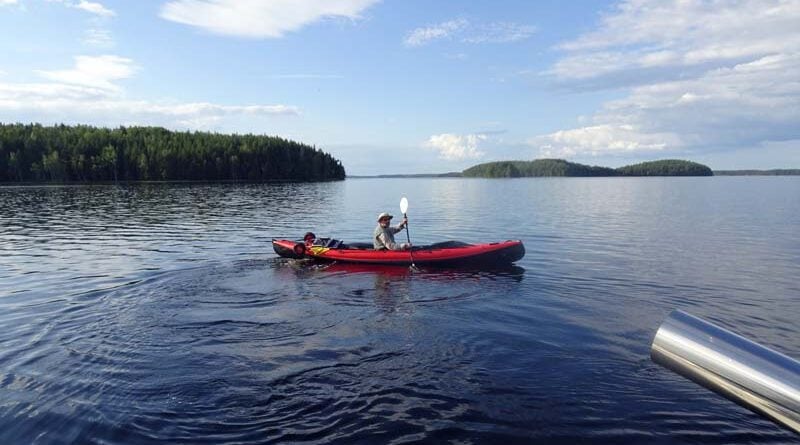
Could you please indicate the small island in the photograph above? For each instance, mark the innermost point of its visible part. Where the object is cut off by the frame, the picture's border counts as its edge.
(62, 153)
(562, 168)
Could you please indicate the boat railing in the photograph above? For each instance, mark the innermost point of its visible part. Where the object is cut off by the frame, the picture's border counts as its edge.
(756, 377)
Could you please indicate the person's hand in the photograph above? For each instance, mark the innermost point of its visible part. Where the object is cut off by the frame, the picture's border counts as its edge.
(406, 246)
(405, 222)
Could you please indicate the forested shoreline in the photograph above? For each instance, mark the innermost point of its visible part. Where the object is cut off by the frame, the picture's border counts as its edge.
(561, 168)
(62, 153)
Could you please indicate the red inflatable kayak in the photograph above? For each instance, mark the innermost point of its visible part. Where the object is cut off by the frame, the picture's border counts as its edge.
(440, 254)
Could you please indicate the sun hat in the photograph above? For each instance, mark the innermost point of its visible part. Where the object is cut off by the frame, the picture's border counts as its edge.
(384, 215)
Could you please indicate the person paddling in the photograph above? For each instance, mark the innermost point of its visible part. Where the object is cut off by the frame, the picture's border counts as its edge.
(383, 236)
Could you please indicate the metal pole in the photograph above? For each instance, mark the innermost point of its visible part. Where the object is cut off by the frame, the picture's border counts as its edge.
(745, 372)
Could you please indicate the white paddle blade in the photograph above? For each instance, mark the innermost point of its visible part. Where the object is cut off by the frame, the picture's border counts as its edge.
(403, 205)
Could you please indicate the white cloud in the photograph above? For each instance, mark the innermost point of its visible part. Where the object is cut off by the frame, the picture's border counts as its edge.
(98, 37)
(453, 147)
(603, 139)
(90, 7)
(646, 33)
(62, 97)
(499, 32)
(94, 8)
(466, 32)
(94, 71)
(8, 2)
(697, 76)
(739, 26)
(87, 93)
(259, 18)
(55, 102)
(589, 65)
(444, 30)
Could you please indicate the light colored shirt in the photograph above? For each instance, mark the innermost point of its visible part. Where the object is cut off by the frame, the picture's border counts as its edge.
(383, 238)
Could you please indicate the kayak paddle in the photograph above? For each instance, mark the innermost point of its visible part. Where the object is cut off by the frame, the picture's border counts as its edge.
(403, 209)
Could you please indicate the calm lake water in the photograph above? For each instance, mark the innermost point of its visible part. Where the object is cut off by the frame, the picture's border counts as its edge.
(159, 313)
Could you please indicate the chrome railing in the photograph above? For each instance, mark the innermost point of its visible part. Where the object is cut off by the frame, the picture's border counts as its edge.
(751, 375)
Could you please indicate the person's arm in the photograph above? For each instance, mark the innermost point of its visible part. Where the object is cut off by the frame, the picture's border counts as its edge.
(400, 226)
(386, 243)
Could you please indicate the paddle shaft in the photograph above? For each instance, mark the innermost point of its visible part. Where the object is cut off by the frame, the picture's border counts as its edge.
(408, 237)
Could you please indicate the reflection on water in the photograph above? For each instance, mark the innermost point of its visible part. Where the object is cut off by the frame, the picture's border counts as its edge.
(159, 313)
(393, 284)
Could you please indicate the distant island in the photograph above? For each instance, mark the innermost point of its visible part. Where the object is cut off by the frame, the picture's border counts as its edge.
(562, 168)
(36, 153)
(774, 172)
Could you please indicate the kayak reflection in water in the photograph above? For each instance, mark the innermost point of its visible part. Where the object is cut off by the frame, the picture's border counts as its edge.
(383, 236)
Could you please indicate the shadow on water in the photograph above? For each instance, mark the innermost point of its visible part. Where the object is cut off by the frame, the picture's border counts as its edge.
(399, 285)
(511, 271)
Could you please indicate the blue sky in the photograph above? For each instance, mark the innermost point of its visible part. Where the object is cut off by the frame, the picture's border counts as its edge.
(415, 86)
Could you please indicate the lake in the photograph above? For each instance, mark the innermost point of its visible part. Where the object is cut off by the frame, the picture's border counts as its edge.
(145, 313)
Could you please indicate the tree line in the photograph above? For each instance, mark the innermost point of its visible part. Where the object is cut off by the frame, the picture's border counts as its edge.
(774, 172)
(667, 167)
(62, 153)
(560, 167)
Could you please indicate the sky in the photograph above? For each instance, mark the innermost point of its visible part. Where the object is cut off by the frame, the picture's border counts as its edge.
(409, 86)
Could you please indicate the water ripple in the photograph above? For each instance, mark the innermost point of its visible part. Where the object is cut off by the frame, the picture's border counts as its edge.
(158, 312)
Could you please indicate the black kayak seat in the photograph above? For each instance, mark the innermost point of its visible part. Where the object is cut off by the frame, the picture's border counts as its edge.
(333, 243)
(360, 246)
(329, 242)
(441, 245)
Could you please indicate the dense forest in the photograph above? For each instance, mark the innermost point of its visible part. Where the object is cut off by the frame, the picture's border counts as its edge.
(539, 167)
(560, 167)
(667, 167)
(82, 153)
